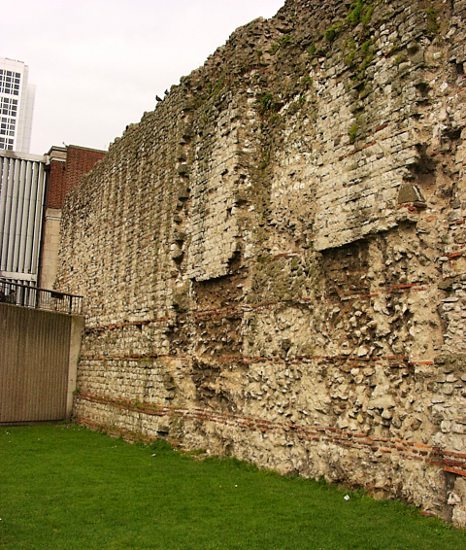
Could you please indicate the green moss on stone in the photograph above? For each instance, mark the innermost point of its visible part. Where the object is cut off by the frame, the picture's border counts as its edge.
(311, 50)
(432, 25)
(332, 32)
(360, 12)
(281, 43)
(266, 103)
(353, 132)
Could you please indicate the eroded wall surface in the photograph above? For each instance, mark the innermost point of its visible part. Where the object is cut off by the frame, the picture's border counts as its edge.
(274, 259)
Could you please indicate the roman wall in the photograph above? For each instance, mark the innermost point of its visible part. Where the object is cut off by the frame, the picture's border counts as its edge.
(273, 260)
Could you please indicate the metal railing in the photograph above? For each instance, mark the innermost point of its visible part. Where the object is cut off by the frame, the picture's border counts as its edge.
(39, 298)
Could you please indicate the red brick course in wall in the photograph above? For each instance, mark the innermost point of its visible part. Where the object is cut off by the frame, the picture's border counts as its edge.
(65, 175)
(449, 461)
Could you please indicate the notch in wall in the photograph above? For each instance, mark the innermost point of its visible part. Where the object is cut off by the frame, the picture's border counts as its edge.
(410, 193)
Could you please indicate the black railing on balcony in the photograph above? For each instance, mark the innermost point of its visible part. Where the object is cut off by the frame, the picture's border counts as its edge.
(39, 298)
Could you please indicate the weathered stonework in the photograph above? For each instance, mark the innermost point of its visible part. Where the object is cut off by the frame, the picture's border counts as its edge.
(274, 259)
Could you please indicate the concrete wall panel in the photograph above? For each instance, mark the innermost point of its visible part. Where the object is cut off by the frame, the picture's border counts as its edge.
(34, 364)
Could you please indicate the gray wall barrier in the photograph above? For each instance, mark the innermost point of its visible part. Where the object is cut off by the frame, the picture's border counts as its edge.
(38, 360)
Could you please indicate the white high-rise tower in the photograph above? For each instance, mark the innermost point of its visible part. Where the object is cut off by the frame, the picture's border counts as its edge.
(16, 106)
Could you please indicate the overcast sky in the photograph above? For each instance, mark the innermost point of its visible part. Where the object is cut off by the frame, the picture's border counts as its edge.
(98, 64)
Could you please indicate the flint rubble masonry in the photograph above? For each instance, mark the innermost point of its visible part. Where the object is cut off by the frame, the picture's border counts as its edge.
(273, 261)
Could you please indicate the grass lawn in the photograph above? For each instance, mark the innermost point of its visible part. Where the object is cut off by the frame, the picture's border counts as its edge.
(64, 487)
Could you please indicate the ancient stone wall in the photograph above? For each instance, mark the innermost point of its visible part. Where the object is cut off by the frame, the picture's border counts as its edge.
(274, 259)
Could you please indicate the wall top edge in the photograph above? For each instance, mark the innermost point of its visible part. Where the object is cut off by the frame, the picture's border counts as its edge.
(21, 156)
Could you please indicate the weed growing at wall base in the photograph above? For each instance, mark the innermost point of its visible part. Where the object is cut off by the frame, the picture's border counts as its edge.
(63, 486)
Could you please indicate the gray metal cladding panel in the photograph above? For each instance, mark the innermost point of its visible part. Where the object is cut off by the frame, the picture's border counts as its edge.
(22, 188)
(34, 362)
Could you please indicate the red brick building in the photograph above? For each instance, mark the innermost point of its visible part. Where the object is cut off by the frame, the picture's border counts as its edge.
(65, 167)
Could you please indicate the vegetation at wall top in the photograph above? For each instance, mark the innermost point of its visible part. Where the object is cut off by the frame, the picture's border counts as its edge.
(63, 486)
